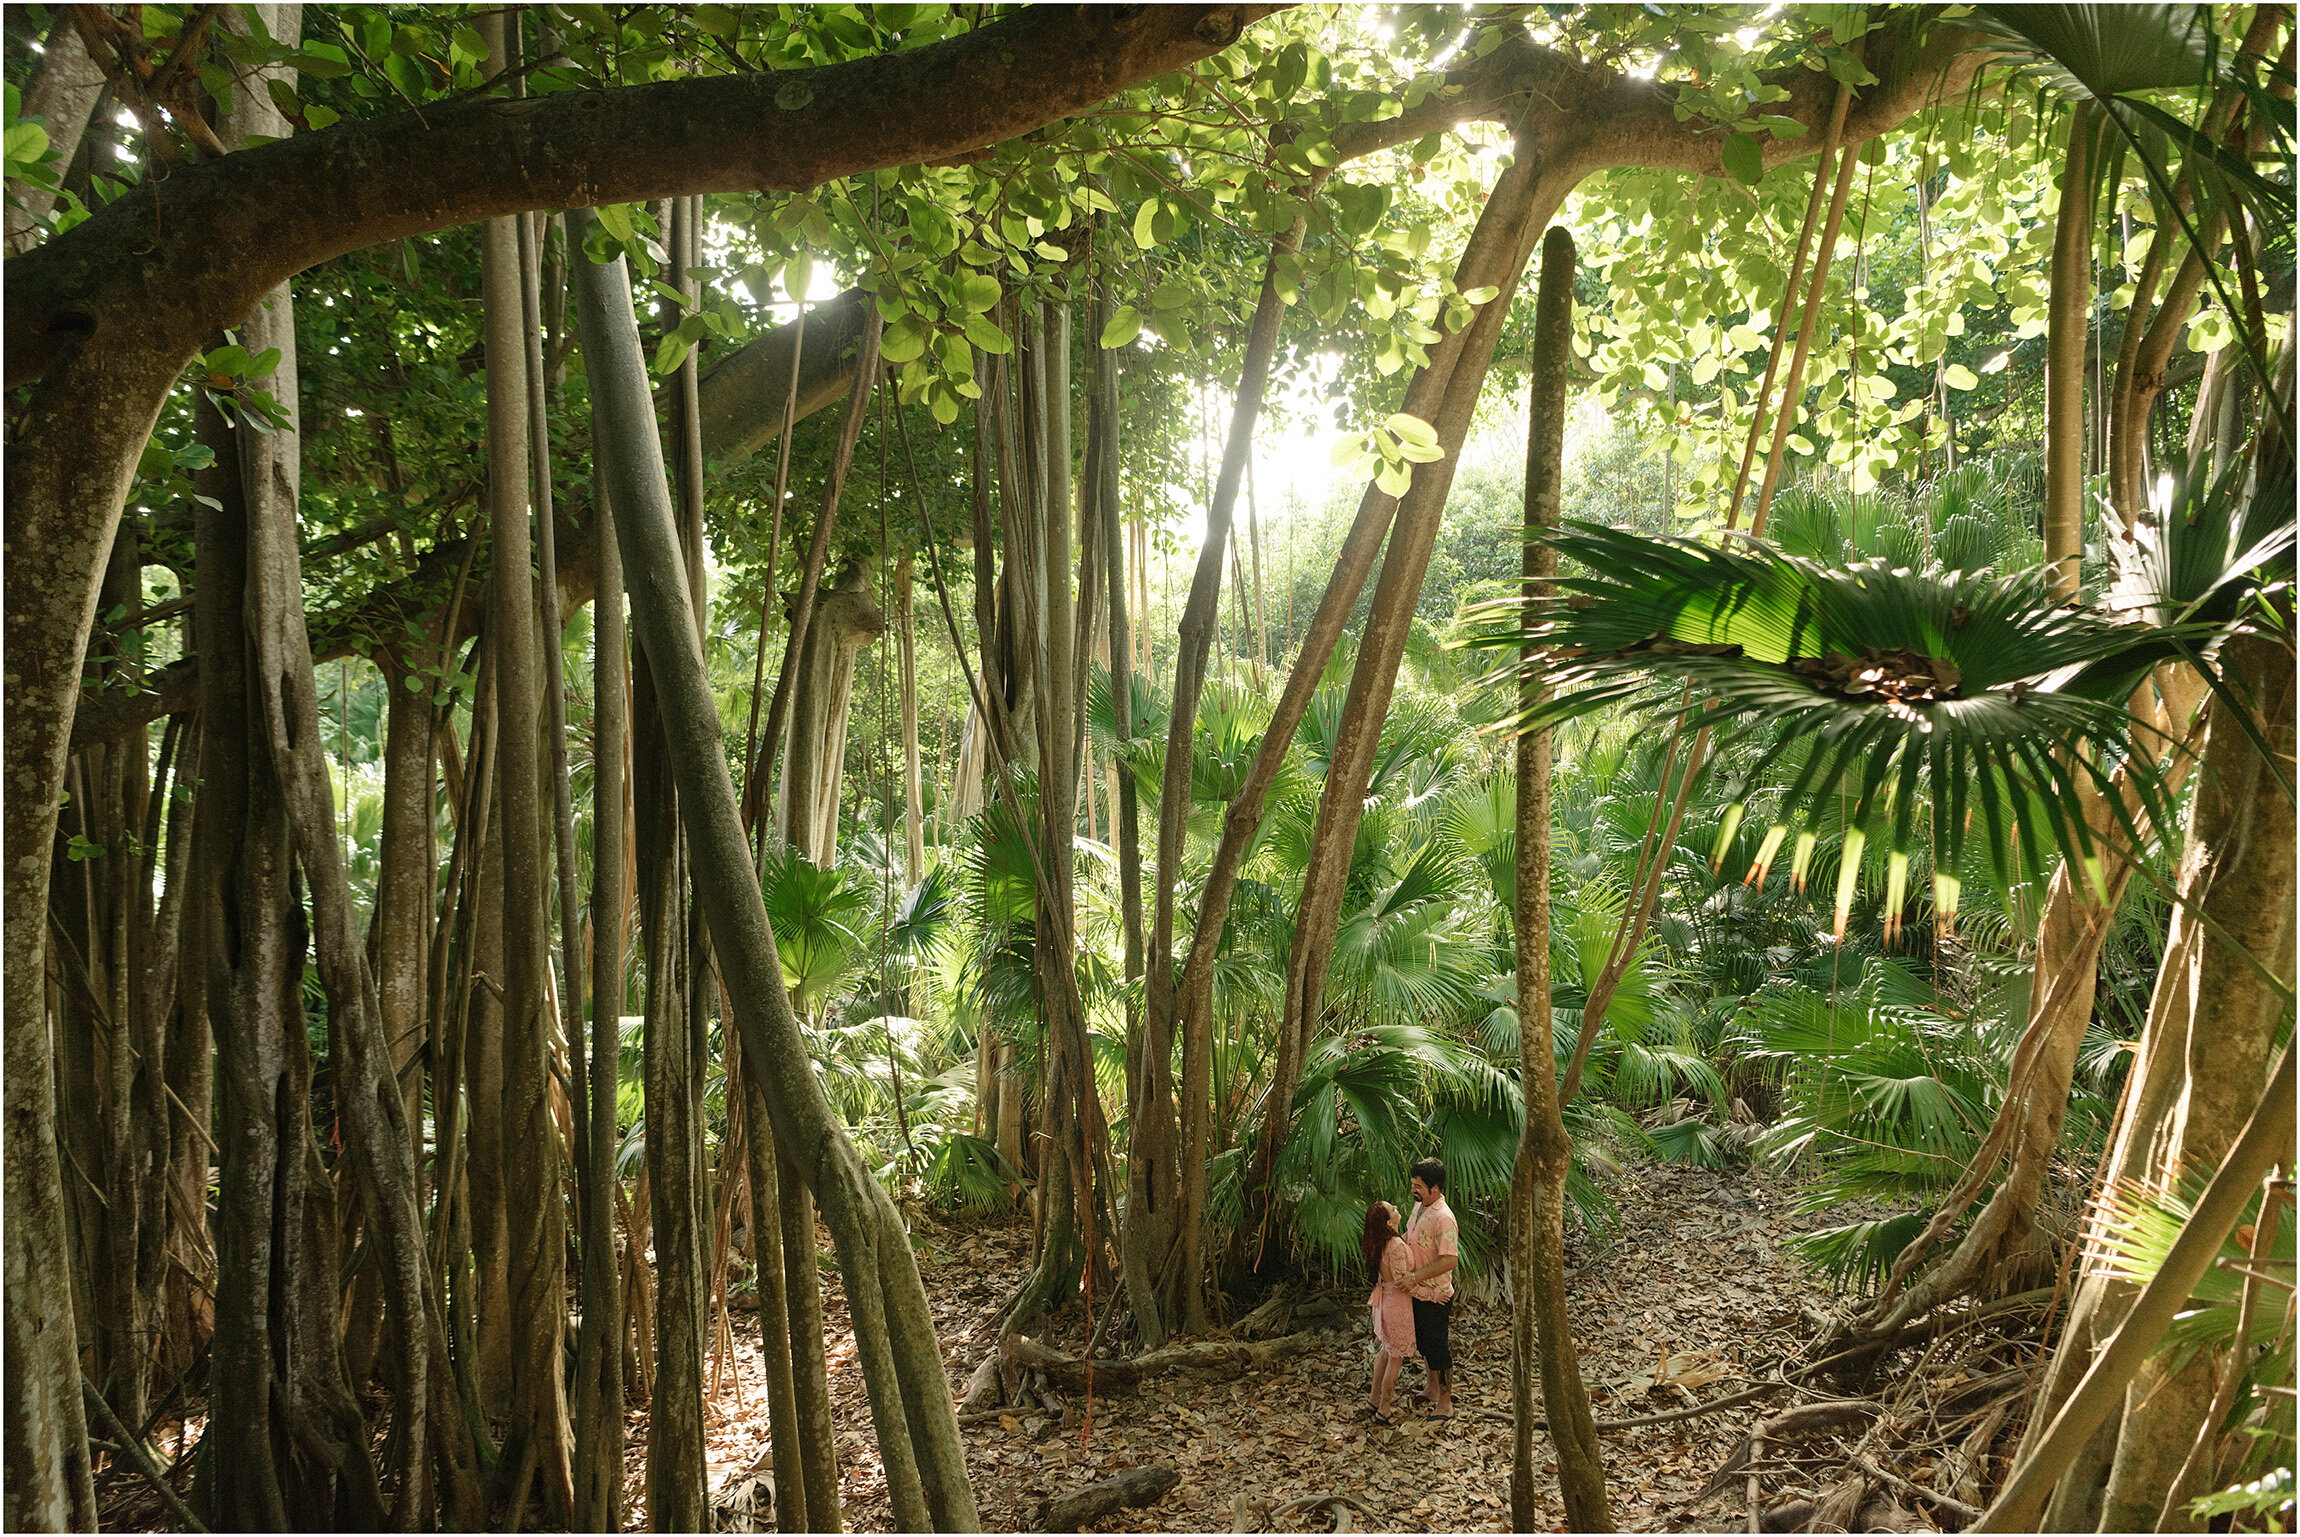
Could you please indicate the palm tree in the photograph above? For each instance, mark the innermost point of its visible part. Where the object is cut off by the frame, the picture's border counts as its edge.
(1925, 705)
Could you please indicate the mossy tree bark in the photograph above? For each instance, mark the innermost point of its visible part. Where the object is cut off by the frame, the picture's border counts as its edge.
(537, 1437)
(1540, 1326)
(913, 797)
(902, 1370)
(1154, 1137)
(597, 1462)
(2212, 1028)
(2068, 316)
(289, 1446)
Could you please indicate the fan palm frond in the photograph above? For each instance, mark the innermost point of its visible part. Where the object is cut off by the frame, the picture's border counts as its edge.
(814, 914)
(1973, 697)
(925, 915)
(1481, 816)
(2120, 56)
(2133, 1232)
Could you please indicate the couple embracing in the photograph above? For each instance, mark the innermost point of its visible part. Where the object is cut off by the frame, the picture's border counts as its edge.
(1413, 1293)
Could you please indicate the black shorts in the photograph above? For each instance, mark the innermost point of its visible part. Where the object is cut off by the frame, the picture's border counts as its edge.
(1430, 1320)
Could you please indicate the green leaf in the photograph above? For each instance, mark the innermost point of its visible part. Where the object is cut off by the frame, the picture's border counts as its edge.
(1394, 479)
(26, 143)
(1744, 156)
(1960, 377)
(320, 116)
(670, 353)
(1293, 67)
(615, 219)
(903, 341)
(978, 291)
(987, 336)
(1123, 328)
(324, 61)
(284, 98)
(1412, 430)
(1145, 221)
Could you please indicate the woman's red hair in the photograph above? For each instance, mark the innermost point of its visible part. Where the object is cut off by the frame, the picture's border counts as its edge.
(1381, 1227)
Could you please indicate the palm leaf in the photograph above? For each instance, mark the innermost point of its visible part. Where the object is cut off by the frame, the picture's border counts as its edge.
(1906, 692)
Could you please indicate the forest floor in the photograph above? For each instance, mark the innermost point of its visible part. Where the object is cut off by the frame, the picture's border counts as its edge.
(1693, 1293)
(1694, 1290)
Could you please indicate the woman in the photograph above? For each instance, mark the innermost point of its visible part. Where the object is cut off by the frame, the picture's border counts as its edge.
(1387, 1259)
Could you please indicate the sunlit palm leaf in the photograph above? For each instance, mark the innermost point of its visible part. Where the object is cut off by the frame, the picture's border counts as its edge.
(1977, 698)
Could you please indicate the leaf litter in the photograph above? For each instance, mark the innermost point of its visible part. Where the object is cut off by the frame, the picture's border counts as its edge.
(1692, 1297)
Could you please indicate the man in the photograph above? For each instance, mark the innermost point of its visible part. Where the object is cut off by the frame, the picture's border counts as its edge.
(1435, 1240)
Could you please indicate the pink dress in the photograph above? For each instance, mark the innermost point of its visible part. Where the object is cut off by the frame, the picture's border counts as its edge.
(1393, 1306)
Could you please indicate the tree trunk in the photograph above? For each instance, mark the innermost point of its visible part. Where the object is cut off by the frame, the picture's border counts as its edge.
(793, 1500)
(598, 1455)
(370, 1105)
(1042, 559)
(2001, 1252)
(902, 1371)
(158, 997)
(1539, 1321)
(112, 943)
(572, 980)
(1193, 640)
(895, 1344)
(188, 1305)
(405, 880)
(54, 484)
(1154, 1133)
(2068, 316)
(2122, 1367)
(677, 1496)
(63, 93)
(241, 837)
(2211, 1030)
(536, 1440)
(913, 797)
(489, 1295)
(796, 654)
(810, 1367)
(288, 1445)
(1520, 206)
(814, 767)
(2149, 338)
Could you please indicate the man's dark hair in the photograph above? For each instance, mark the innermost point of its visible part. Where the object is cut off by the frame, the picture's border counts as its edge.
(1431, 1172)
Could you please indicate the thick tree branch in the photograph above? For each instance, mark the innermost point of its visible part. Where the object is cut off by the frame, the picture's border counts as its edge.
(187, 256)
